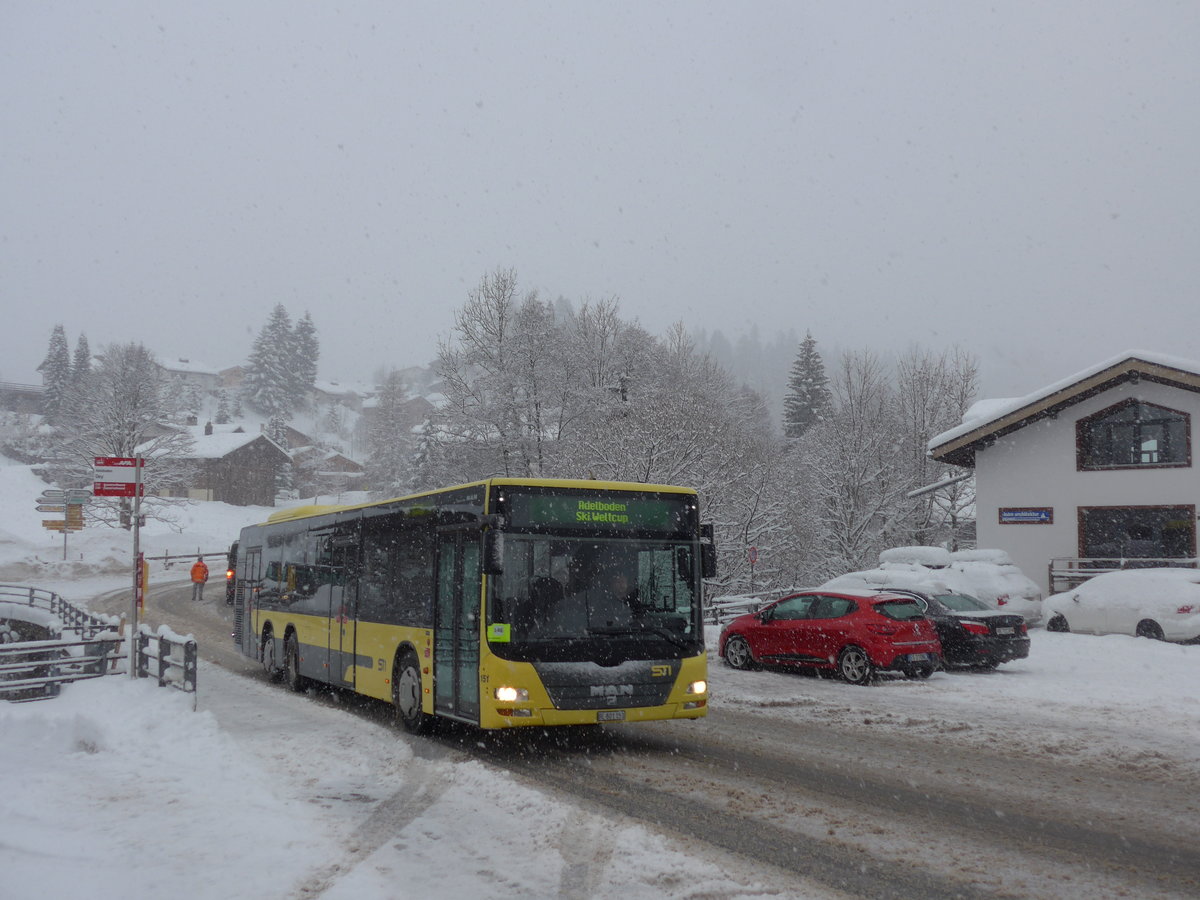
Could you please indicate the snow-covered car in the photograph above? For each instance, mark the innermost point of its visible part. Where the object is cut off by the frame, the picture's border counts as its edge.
(1163, 604)
(987, 574)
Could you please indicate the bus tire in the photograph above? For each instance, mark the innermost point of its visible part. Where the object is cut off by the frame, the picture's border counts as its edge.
(407, 693)
(291, 664)
(267, 655)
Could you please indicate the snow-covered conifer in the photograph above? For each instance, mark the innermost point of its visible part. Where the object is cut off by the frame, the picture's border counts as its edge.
(269, 381)
(807, 400)
(56, 373)
(81, 363)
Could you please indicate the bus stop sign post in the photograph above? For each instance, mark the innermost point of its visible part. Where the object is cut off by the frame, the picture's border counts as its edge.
(113, 478)
(137, 565)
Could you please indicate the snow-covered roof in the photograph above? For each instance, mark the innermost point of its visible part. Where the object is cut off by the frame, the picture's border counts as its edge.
(223, 441)
(188, 365)
(989, 418)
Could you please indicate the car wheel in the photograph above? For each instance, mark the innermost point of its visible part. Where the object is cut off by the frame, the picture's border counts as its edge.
(1057, 623)
(738, 655)
(855, 666)
(1148, 628)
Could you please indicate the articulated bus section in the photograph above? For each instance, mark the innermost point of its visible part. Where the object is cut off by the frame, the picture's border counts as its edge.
(503, 603)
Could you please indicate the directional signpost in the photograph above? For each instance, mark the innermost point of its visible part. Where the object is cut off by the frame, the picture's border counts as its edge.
(67, 504)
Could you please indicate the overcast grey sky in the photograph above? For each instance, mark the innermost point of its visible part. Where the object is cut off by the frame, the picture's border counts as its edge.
(1017, 178)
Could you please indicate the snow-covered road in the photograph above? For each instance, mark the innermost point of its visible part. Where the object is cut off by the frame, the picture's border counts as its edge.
(1070, 774)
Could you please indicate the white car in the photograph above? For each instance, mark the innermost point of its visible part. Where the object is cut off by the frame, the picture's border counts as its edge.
(987, 574)
(1156, 603)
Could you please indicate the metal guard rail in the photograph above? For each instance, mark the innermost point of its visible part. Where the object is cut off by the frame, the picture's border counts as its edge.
(1068, 572)
(80, 621)
(35, 670)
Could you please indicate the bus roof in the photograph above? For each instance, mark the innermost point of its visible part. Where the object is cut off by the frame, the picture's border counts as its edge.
(587, 484)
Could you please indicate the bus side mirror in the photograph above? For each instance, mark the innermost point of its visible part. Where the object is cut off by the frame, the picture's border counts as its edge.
(493, 552)
(708, 552)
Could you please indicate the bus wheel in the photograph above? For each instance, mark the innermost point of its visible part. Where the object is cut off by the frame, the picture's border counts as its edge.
(291, 664)
(270, 666)
(406, 695)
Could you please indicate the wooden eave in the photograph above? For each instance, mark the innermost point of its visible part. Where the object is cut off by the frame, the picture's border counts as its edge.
(960, 451)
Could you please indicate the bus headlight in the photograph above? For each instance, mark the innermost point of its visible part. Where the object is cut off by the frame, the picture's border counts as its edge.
(512, 694)
(698, 687)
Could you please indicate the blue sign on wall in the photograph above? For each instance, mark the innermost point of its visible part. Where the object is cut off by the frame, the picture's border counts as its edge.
(1026, 515)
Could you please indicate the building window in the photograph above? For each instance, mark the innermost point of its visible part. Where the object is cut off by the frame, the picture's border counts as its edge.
(1133, 434)
(1133, 532)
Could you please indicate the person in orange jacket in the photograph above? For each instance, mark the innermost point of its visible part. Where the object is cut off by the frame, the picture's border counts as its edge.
(199, 576)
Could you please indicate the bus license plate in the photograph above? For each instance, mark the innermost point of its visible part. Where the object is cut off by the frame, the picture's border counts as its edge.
(610, 715)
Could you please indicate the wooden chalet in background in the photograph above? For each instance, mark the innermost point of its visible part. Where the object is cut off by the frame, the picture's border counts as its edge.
(232, 466)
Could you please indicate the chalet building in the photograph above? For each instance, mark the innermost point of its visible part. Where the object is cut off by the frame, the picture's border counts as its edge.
(192, 374)
(318, 472)
(1093, 473)
(232, 466)
(22, 398)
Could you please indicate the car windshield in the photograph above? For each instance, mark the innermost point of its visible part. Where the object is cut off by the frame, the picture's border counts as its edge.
(898, 609)
(961, 602)
(565, 599)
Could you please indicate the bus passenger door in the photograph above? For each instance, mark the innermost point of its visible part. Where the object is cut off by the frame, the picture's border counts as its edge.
(342, 613)
(456, 627)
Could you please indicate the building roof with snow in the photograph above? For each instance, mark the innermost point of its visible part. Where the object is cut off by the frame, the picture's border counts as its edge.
(988, 420)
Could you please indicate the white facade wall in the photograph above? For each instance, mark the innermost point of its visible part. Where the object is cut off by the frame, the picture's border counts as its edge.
(1036, 467)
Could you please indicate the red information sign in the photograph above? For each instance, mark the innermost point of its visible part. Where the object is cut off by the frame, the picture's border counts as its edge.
(117, 476)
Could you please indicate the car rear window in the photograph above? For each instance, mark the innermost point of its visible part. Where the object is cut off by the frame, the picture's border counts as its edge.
(899, 609)
(962, 602)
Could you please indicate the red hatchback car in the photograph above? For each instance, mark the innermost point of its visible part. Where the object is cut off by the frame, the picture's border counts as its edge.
(855, 633)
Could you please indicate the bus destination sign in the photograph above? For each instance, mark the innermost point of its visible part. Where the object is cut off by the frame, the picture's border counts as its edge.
(606, 511)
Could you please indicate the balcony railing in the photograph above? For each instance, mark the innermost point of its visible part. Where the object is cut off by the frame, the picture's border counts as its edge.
(1067, 572)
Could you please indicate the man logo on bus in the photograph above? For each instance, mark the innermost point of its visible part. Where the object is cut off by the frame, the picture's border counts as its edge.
(612, 690)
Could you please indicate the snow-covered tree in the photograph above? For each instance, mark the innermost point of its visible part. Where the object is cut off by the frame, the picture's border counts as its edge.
(807, 399)
(850, 470)
(223, 411)
(81, 364)
(56, 373)
(933, 390)
(390, 439)
(306, 350)
(277, 430)
(119, 411)
(482, 424)
(270, 383)
(332, 422)
(285, 482)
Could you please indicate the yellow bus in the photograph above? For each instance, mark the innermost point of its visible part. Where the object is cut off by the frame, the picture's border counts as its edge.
(505, 602)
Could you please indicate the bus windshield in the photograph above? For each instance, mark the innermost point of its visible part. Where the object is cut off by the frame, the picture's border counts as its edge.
(574, 598)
